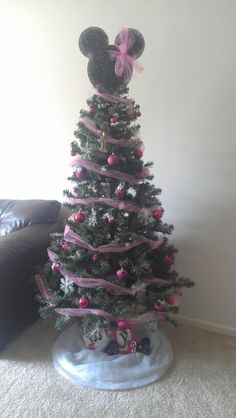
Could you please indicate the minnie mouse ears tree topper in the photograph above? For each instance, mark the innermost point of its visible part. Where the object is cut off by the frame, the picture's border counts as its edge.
(110, 67)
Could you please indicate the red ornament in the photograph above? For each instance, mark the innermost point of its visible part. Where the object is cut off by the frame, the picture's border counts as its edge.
(96, 258)
(149, 269)
(83, 302)
(79, 217)
(160, 305)
(80, 175)
(113, 120)
(138, 113)
(171, 300)
(157, 213)
(64, 245)
(55, 267)
(122, 273)
(121, 193)
(113, 159)
(138, 153)
(169, 259)
(111, 219)
(72, 152)
(91, 109)
(122, 324)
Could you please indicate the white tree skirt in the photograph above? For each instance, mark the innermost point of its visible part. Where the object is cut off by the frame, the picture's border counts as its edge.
(96, 369)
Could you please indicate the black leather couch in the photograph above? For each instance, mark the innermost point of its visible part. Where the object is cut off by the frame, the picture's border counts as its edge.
(25, 228)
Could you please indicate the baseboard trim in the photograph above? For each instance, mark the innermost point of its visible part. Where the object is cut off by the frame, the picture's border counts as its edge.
(209, 326)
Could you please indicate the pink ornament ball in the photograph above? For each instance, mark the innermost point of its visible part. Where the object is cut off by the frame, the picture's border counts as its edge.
(55, 267)
(121, 193)
(64, 245)
(157, 213)
(113, 159)
(80, 175)
(83, 302)
(122, 273)
(111, 219)
(114, 119)
(169, 259)
(91, 109)
(160, 306)
(72, 153)
(79, 217)
(138, 153)
(122, 324)
(171, 300)
(138, 113)
(96, 258)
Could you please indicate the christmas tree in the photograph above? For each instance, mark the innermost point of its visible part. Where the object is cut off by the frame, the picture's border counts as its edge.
(113, 265)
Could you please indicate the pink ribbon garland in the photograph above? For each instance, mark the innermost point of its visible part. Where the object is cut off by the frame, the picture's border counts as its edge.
(120, 142)
(73, 238)
(149, 316)
(124, 62)
(114, 99)
(41, 284)
(111, 287)
(118, 204)
(119, 175)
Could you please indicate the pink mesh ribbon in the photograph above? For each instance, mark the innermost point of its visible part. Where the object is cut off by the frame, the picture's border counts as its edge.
(120, 142)
(73, 238)
(112, 287)
(118, 204)
(119, 175)
(114, 99)
(124, 62)
(148, 316)
(42, 287)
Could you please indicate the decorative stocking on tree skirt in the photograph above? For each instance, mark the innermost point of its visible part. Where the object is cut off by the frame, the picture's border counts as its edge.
(112, 269)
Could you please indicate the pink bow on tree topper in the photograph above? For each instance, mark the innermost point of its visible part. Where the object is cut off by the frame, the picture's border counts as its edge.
(124, 61)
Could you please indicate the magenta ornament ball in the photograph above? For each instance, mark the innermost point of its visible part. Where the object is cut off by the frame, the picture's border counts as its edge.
(113, 160)
(80, 175)
(121, 193)
(157, 213)
(122, 273)
(114, 119)
(138, 153)
(83, 302)
(122, 324)
(111, 219)
(169, 259)
(55, 267)
(79, 217)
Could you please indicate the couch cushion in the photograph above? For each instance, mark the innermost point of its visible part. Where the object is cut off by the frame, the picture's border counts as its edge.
(16, 214)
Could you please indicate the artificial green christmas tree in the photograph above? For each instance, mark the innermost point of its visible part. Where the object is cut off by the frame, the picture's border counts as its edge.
(112, 268)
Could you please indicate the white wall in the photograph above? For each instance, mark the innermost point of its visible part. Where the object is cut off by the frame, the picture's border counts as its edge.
(187, 96)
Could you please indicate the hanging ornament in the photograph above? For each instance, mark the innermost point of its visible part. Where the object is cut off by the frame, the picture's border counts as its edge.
(64, 245)
(113, 159)
(138, 113)
(121, 273)
(103, 142)
(72, 152)
(122, 324)
(160, 305)
(90, 109)
(138, 153)
(157, 213)
(171, 300)
(144, 172)
(95, 258)
(120, 192)
(111, 219)
(83, 302)
(169, 259)
(55, 267)
(114, 119)
(80, 174)
(79, 217)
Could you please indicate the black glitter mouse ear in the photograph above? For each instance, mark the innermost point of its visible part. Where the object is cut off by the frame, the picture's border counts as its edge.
(133, 39)
(92, 40)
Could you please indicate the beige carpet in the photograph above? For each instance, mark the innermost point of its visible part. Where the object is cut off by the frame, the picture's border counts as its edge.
(201, 382)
